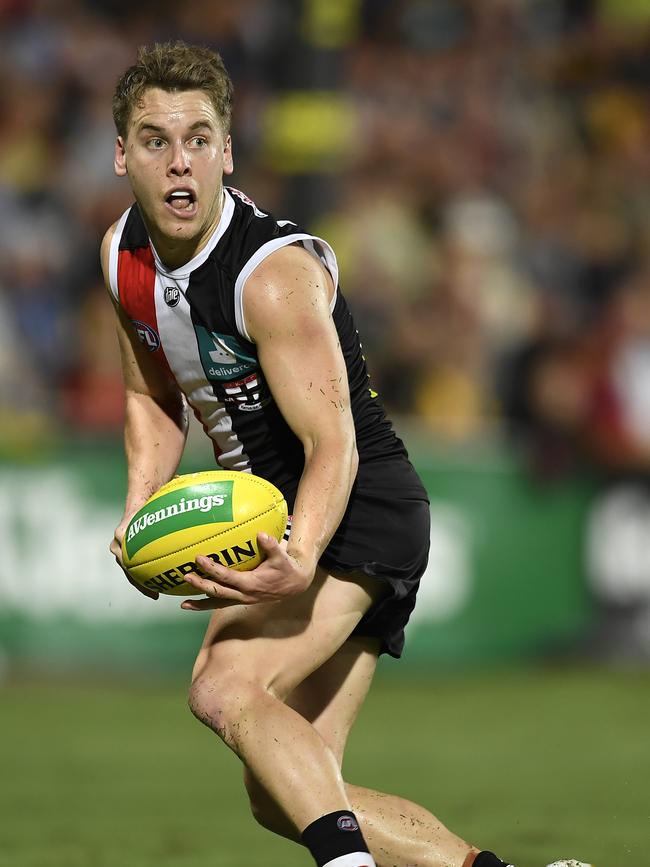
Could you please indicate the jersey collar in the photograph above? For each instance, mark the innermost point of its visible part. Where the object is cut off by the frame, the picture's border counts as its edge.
(186, 269)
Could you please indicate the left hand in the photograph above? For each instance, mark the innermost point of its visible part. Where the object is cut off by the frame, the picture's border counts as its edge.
(278, 576)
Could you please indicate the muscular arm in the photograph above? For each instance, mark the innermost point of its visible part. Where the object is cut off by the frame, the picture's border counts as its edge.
(287, 314)
(155, 424)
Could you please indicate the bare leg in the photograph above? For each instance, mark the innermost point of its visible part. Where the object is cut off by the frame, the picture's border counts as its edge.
(251, 659)
(399, 833)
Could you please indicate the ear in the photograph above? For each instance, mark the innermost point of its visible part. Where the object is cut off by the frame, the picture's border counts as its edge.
(120, 157)
(228, 167)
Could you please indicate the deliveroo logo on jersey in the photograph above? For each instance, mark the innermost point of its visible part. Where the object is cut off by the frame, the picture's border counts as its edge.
(222, 357)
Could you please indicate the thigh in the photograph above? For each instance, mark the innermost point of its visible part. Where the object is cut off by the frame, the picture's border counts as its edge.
(331, 697)
(278, 645)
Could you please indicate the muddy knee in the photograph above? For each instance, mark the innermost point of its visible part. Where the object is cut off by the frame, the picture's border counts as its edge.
(223, 701)
(208, 702)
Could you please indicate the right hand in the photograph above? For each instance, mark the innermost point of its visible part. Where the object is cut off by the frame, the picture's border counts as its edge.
(116, 551)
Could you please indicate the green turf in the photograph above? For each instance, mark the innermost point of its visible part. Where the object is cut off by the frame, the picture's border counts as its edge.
(535, 764)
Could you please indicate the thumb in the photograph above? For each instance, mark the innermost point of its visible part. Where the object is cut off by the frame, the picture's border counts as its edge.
(266, 542)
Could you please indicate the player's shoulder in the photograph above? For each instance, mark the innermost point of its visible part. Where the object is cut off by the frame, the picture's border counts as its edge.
(105, 248)
(251, 225)
(288, 286)
(288, 263)
(127, 230)
(255, 227)
(108, 235)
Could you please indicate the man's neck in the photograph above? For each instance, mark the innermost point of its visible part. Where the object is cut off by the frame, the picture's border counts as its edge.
(173, 254)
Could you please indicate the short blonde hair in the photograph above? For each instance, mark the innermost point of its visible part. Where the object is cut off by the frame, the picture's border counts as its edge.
(173, 66)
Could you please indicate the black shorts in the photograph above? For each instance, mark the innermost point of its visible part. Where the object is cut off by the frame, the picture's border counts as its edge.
(385, 534)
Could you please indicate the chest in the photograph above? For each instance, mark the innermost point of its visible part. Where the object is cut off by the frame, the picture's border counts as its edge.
(187, 321)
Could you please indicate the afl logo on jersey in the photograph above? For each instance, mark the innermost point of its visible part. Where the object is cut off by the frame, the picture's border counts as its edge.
(172, 295)
(147, 335)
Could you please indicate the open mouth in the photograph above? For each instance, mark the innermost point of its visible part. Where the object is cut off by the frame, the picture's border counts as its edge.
(182, 201)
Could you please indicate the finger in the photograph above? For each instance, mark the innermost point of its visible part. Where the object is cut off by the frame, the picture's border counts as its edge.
(207, 604)
(213, 588)
(220, 574)
(267, 543)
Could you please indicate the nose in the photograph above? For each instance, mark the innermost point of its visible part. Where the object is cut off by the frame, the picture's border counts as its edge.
(179, 163)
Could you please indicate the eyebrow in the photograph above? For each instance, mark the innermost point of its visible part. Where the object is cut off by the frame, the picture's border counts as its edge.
(152, 127)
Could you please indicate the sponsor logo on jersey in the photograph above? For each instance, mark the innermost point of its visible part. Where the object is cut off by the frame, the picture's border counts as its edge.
(222, 356)
(247, 395)
(235, 375)
(147, 335)
(172, 295)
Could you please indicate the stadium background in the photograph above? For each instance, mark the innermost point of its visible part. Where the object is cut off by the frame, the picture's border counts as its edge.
(482, 171)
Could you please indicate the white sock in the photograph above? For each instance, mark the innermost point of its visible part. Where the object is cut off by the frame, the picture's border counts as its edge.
(354, 859)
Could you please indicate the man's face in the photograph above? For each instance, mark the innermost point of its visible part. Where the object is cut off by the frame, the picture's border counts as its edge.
(175, 155)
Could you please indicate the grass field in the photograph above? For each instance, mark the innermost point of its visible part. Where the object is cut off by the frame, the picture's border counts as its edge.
(534, 764)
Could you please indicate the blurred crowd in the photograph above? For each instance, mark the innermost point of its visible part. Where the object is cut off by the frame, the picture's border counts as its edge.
(481, 168)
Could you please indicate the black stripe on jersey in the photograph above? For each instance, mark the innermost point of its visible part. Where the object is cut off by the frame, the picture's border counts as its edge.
(134, 234)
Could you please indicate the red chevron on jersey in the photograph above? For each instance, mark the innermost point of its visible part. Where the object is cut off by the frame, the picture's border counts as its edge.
(136, 278)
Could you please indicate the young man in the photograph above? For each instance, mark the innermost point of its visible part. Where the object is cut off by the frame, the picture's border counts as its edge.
(223, 307)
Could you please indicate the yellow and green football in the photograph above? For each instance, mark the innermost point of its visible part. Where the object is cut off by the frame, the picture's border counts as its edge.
(217, 513)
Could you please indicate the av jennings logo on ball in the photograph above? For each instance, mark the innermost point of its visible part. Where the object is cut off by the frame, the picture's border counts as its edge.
(214, 504)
